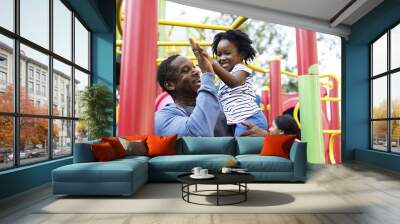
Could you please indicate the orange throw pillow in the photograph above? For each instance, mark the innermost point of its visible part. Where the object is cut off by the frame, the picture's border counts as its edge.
(116, 145)
(103, 151)
(161, 145)
(136, 138)
(277, 145)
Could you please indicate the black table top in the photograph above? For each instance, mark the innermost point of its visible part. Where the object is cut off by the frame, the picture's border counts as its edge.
(220, 178)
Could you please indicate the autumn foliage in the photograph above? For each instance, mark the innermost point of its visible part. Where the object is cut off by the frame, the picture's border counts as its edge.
(380, 127)
(33, 131)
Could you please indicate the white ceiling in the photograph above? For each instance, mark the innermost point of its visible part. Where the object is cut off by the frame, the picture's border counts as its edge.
(317, 15)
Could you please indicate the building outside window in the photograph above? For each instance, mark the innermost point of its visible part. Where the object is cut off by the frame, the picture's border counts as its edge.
(30, 87)
(43, 90)
(3, 78)
(38, 89)
(385, 95)
(3, 71)
(35, 74)
(43, 77)
(30, 72)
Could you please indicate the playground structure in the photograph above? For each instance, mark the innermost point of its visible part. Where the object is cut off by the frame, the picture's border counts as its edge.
(320, 128)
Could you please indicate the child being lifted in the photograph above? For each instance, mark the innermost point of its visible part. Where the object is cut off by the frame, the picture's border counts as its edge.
(236, 92)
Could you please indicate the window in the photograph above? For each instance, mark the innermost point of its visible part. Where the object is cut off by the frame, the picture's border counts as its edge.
(37, 74)
(43, 77)
(3, 71)
(30, 87)
(7, 14)
(30, 72)
(47, 74)
(38, 89)
(7, 85)
(81, 45)
(3, 78)
(62, 29)
(62, 75)
(34, 21)
(81, 81)
(44, 91)
(385, 96)
(3, 61)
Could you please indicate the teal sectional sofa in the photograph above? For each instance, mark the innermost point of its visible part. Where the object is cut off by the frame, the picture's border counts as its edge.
(125, 176)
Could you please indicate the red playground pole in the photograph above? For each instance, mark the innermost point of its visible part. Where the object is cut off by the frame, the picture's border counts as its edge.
(306, 45)
(265, 101)
(275, 89)
(138, 68)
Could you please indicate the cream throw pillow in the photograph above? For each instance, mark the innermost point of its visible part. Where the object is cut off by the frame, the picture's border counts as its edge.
(136, 148)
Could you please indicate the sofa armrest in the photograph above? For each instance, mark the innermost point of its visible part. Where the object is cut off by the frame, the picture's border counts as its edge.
(298, 155)
(83, 152)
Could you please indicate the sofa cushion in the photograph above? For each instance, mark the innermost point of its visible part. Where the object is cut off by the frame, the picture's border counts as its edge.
(112, 171)
(161, 145)
(103, 152)
(185, 163)
(249, 145)
(206, 145)
(134, 147)
(257, 163)
(128, 159)
(83, 152)
(116, 145)
(277, 145)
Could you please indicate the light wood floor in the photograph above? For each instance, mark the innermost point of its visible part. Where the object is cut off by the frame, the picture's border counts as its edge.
(354, 182)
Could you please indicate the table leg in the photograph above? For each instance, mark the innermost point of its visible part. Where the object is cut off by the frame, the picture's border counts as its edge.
(188, 190)
(196, 188)
(217, 194)
(182, 190)
(245, 191)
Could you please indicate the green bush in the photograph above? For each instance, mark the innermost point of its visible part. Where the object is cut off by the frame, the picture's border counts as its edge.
(97, 105)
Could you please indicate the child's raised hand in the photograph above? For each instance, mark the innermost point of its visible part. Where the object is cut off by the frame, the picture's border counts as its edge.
(202, 57)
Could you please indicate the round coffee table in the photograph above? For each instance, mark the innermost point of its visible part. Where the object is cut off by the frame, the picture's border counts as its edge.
(238, 179)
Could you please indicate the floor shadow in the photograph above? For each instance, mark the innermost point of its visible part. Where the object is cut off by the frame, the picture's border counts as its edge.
(255, 198)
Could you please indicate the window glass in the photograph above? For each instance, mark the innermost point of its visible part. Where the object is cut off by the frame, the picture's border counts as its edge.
(7, 14)
(395, 95)
(34, 81)
(6, 142)
(6, 74)
(62, 91)
(81, 131)
(39, 62)
(62, 29)
(81, 81)
(81, 45)
(395, 136)
(379, 135)
(34, 144)
(34, 21)
(395, 47)
(379, 56)
(379, 98)
(62, 138)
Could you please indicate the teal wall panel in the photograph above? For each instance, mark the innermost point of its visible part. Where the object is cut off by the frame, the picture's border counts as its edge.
(24, 178)
(356, 95)
(103, 64)
(377, 158)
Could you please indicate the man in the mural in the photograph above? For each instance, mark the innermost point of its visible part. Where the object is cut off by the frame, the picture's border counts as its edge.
(196, 111)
